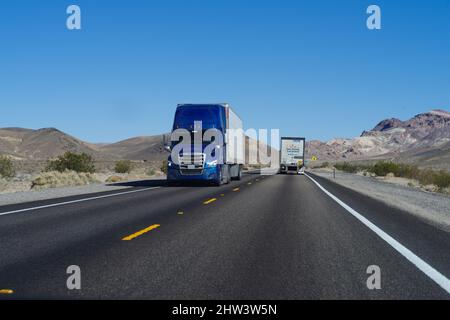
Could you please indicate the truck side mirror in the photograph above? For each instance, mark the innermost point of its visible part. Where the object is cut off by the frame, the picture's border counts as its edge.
(166, 145)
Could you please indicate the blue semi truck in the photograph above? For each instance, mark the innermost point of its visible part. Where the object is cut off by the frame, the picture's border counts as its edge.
(194, 161)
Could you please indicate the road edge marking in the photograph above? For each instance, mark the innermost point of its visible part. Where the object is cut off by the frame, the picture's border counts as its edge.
(423, 266)
(76, 201)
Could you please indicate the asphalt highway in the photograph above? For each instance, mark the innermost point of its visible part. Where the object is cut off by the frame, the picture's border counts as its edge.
(265, 237)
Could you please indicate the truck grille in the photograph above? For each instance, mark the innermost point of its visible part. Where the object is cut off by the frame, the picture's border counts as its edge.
(191, 172)
(192, 164)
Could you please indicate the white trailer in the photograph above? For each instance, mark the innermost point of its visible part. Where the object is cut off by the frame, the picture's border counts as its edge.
(292, 155)
(235, 139)
(234, 143)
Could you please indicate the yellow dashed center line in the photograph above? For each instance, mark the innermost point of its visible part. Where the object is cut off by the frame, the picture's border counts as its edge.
(140, 233)
(210, 201)
(6, 291)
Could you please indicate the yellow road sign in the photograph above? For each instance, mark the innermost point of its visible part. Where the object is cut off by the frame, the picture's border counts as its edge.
(314, 158)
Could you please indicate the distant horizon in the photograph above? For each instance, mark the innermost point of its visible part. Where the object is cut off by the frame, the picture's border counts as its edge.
(310, 69)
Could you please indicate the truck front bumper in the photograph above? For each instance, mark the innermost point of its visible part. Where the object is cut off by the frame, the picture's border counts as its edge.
(207, 174)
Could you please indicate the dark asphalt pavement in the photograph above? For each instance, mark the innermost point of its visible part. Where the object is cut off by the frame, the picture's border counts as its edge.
(276, 237)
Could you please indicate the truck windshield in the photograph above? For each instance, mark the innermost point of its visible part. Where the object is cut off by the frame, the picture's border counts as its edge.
(210, 116)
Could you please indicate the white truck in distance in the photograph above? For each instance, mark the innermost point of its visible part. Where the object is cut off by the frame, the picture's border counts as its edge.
(292, 155)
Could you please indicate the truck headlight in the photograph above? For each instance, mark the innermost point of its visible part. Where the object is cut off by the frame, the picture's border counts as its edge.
(212, 163)
(171, 164)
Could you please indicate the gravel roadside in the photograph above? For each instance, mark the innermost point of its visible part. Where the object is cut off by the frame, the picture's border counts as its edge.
(431, 207)
(61, 192)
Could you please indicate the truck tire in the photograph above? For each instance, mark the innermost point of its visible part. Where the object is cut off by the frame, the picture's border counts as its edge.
(218, 181)
(228, 175)
(239, 175)
(171, 183)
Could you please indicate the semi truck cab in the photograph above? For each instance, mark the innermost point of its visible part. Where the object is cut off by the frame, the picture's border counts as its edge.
(196, 162)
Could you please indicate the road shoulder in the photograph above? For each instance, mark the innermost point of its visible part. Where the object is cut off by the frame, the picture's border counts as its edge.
(430, 207)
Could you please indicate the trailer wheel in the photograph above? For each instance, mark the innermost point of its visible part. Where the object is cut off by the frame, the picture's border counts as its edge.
(239, 175)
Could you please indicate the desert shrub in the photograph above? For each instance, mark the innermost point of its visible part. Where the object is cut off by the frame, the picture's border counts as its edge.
(424, 176)
(441, 179)
(383, 168)
(321, 165)
(6, 167)
(407, 171)
(114, 179)
(151, 172)
(53, 179)
(346, 167)
(72, 162)
(164, 167)
(3, 184)
(123, 166)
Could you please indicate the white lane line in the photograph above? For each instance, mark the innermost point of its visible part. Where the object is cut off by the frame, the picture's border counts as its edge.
(431, 272)
(76, 201)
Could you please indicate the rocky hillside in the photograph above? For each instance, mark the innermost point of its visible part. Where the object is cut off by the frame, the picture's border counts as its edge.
(139, 148)
(424, 139)
(27, 144)
(42, 144)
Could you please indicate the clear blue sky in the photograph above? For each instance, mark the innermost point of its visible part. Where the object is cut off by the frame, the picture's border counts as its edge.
(310, 68)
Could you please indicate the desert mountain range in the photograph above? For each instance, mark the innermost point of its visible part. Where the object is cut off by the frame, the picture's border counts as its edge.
(423, 139)
(42, 144)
